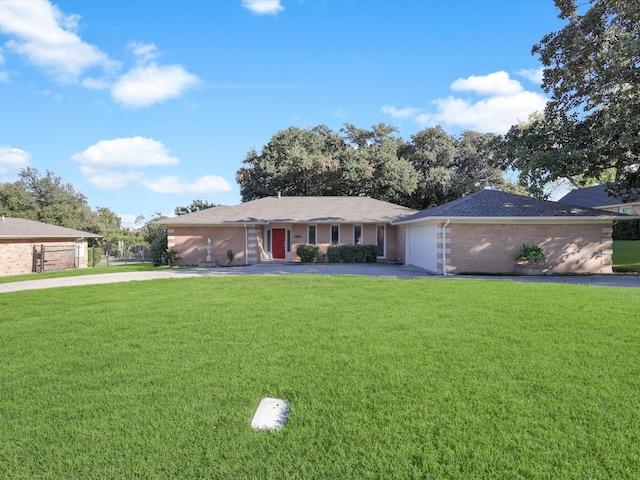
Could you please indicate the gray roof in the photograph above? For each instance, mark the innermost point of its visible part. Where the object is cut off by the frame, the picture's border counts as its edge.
(592, 197)
(297, 210)
(22, 228)
(495, 204)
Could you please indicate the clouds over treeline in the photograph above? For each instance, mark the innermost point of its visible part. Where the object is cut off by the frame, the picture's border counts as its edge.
(485, 103)
(126, 162)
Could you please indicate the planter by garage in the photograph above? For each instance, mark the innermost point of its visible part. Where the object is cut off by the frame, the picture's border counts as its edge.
(533, 269)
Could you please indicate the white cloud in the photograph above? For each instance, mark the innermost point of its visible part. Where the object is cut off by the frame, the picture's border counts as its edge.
(110, 180)
(497, 83)
(400, 112)
(147, 85)
(263, 7)
(126, 152)
(4, 77)
(46, 38)
(102, 166)
(495, 114)
(144, 51)
(495, 103)
(12, 159)
(208, 184)
(533, 74)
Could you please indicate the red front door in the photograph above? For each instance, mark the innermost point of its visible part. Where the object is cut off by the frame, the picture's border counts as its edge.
(278, 241)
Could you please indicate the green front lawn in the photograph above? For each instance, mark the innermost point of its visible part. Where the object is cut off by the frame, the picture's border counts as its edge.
(387, 379)
(626, 256)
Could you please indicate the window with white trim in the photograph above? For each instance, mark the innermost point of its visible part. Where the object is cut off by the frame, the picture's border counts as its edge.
(357, 234)
(381, 241)
(335, 234)
(311, 234)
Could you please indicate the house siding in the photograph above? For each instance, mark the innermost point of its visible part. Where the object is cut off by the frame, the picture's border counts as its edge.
(191, 241)
(191, 244)
(395, 251)
(569, 248)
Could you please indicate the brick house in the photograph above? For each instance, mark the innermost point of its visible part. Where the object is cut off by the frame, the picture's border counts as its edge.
(271, 228)
(30, 246)
(483, 232)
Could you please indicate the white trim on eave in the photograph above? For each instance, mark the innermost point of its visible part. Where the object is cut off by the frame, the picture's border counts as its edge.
(514, 220)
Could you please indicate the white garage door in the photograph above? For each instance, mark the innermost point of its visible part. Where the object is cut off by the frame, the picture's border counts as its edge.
(422, 247)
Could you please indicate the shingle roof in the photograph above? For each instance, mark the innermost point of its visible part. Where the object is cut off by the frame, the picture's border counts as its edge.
(592, 197)
(22, 228)
(495, 204)
(297, 210)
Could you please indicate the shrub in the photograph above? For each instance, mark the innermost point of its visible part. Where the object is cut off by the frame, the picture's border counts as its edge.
(626, 230)
(307, 252)
(172, 257)
(352, 253)
(158, 249)
(95, 254)
(532, 254)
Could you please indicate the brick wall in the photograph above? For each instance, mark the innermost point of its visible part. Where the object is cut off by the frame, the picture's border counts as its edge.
(16, 256)
(569, 248)
(395, 238)
(191, 244)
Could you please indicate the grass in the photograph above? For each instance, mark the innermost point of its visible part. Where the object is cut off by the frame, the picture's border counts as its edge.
(387, 379)
(626, 256)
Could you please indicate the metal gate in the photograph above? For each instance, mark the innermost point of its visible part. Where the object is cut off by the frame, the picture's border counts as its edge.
(50, 258)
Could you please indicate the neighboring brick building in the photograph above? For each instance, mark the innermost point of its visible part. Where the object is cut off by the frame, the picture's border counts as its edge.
(597, 197)
(483, 232)
(30, 246)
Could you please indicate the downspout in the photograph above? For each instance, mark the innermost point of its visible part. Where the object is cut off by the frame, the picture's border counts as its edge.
(246, 245)
(444, 247)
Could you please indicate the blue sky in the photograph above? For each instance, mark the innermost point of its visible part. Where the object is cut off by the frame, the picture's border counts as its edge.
(147, 105)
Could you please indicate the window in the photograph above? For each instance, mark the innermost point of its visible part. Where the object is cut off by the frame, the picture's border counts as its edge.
(357, 234)
(288, 240)
(335, 234)
(381, 232)
(311, 234)
(626, 210)
(268, 241)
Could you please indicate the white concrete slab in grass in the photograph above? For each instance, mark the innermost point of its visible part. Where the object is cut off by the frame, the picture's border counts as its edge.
(271, 414)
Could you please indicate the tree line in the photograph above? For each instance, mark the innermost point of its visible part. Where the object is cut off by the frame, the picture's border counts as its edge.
(432, 168)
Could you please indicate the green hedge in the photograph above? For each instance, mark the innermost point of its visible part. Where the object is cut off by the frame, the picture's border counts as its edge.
(97, 256)
(626, 230)
(352, 253)
(307, 253)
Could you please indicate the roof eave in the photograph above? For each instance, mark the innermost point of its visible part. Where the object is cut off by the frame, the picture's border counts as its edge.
(521, 220)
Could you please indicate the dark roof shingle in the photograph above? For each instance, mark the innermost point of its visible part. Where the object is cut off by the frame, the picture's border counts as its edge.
(591, 197)
(496, 204)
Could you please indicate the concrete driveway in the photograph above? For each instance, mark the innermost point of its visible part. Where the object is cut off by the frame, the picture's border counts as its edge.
(370, 270)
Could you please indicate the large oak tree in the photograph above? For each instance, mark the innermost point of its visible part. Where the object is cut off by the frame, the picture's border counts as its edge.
(591, 125)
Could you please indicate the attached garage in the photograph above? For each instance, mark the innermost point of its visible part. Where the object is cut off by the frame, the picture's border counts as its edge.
(483, 232)
(422, 246)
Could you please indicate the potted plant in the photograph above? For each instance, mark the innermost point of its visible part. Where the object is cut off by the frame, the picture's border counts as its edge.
(531, 260)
